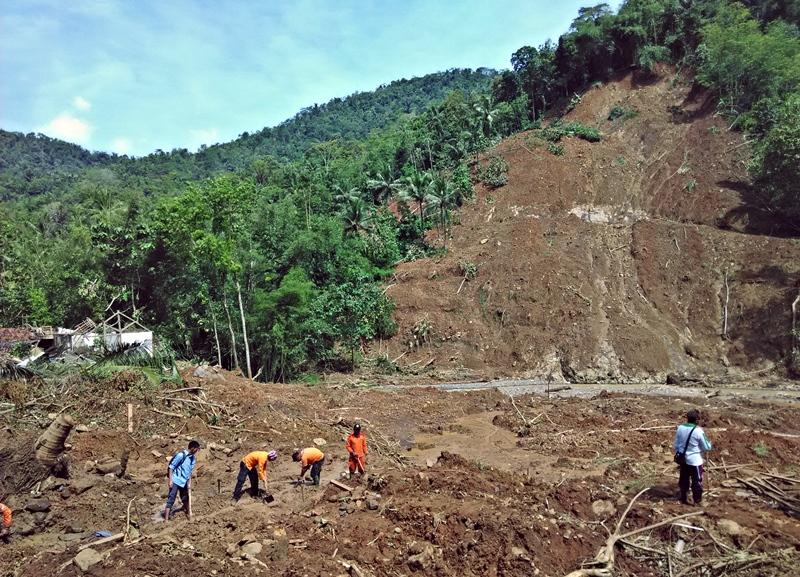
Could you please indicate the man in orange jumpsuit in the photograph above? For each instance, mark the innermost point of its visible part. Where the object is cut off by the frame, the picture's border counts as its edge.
(357, 447)
(5, 529)
(309, 458)
(254, 467)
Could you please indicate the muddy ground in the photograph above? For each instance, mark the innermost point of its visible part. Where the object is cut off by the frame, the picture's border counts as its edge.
(460, 483)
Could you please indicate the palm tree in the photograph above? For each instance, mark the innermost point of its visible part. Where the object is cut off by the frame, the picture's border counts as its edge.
(382, 187)
(356, 215)
(415, 188)
(441, 198)
(486, 113)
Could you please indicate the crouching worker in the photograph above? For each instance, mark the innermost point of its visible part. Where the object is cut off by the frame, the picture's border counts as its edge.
(309, 458)
(357, 448)
(254, 467)
(5, 528)
(180, 470)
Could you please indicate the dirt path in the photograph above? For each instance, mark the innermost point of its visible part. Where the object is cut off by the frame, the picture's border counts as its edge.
(517, 387)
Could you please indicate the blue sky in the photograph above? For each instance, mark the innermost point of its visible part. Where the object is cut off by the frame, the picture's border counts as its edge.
(134, 76)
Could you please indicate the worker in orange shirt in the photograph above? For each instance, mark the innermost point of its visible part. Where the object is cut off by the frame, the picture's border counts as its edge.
(254, 467)
(309, 458)
(5, 529)
(357, 448)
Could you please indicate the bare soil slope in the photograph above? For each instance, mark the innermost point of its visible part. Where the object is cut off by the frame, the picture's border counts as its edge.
(609, 263)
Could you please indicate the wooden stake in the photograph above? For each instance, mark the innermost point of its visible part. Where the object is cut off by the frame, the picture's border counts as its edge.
(130, 417)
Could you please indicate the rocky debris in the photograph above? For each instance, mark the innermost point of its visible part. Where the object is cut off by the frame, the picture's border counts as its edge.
(251, 549)
(320, 442)
(82, 485)
(87, 559)
(210, 373)
(603, 508)
(82, 429)
(372, 504)
(107, 467)
(38, 506)
(730, 527)
(422, 556)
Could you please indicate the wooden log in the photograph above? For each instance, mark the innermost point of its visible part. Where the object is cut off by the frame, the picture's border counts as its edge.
(104, 540)
(342, 486)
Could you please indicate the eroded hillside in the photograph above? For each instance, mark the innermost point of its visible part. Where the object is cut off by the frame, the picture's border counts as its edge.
(613, 261)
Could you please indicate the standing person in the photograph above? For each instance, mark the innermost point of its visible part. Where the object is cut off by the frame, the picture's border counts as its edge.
(309, 458)
(180, 471)
(5, 529)
(254, 467)
(690, 445)
(357, 448)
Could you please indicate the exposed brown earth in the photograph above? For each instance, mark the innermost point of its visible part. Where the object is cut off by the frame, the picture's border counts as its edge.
(609, 263)
(459, 484)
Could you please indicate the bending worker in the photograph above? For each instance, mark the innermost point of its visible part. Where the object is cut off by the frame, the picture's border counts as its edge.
(254, 467)
(309, 458)
(357, 448)
(5, 528)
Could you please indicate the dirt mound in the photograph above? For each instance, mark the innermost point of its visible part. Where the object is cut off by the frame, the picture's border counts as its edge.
(622, 260)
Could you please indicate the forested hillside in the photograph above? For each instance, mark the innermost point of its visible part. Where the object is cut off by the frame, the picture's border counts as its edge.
(275, 247)
(34, 164)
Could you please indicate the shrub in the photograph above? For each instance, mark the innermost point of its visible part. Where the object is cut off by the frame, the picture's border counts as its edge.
(496, 172)
(556, 149)
(556, 131)
(468, 269)
(621, 112)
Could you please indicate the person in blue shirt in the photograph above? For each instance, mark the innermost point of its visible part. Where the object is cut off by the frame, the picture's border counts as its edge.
(691, 441)
(180, 471)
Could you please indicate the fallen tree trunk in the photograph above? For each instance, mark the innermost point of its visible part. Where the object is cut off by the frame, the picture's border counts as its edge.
(32, 460)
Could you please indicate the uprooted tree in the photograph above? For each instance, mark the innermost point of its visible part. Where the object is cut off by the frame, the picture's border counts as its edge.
(31, 460)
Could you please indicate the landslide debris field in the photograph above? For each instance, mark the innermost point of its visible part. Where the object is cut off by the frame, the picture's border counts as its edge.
(614, 261)
(461, 483)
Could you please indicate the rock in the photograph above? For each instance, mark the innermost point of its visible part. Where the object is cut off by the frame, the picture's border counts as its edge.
(372, 504)
(730, 527)
(75, 528)
(320, 442)
(673, 379)
(70, 537)
(133, 533)
(430, 463)
(82, 485)
(422, 560)
(156, 454)
(251, 549)
(38, 506)
(603, 508)
(81, 429)
(107, 467)
(40, 517)
(86, 559)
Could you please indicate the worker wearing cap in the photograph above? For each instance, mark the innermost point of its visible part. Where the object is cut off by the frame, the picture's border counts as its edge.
(254, 467)
(357, 448)
(5, 528)
(309, 458)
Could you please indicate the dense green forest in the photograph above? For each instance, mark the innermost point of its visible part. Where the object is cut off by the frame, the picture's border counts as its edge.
(273, 247)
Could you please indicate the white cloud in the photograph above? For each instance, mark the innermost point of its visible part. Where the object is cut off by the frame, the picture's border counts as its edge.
(68, 127)
(205, 136)
(121, 145)
(81, 103)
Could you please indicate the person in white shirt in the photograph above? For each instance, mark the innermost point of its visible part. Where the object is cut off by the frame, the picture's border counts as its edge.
(691, 442)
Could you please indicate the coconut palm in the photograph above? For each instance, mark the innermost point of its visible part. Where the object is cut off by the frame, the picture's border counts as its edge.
(486, 113)
(441, 198)
(382, 187)
(414, 188)
(356, 215)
